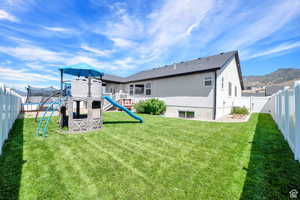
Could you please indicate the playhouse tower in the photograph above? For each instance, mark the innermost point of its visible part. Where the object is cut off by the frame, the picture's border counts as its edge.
(82, 98)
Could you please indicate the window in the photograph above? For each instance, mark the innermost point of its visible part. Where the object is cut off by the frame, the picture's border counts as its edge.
(130, 89)
(235, 91)
(79, 109)
(186, 114)
(190, 114)
(229, 89)
(181, 114)
(148, 89)
(222, 82)
(139, 89)
(207, 81)
(96, 104)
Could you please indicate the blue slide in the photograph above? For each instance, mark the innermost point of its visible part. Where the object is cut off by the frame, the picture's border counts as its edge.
(110, 100)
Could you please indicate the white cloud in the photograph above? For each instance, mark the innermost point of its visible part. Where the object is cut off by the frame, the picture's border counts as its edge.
(126, 63)
(6, 16)
(172, 23)
(266, 24)
(33, 53)
(6, 62)
(35, 66)
(121, 42)
(85, 59)
(98, 52)
(57, 29)
(24, 75)
(123, 29)
(126, 26)
(176, 20)
(277, 49)
(18, 40)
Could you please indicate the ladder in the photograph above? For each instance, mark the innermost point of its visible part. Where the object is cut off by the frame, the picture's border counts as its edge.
(44, 121)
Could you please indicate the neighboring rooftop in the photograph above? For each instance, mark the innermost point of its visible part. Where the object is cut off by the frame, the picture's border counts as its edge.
(209, 63)
(270, 90)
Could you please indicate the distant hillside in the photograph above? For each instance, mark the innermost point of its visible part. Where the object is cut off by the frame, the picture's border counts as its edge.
(284, 77)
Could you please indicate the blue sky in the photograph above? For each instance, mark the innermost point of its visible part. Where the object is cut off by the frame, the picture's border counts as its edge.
(124, 37)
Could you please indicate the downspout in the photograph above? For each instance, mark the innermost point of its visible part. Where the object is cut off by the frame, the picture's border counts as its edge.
(215, 96)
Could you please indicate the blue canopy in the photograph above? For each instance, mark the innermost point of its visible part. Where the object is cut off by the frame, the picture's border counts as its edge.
(81, 69)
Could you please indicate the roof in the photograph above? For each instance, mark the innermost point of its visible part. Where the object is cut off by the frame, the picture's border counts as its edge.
(81, 69)
(113, 78)
(273, 89)
(210, 63)
(253, 94)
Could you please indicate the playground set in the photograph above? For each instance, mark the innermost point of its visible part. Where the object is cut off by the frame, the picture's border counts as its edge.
(79, 101)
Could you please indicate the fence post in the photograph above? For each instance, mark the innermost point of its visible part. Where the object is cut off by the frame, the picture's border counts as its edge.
(1, 117)
(9, 103)
(297, 120)
(277, 105)
(287, 113)
(280, 111)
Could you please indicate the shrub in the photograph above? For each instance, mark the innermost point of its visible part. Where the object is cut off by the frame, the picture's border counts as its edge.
(240, 110)
(150, 106)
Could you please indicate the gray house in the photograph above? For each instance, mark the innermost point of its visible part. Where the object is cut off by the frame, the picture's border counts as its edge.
(203, 88)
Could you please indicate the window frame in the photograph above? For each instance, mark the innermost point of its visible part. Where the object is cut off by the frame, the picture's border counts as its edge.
(147, 88)
(143, 88)
(205, 80)
(235, 91)
(229, 89)
(131, 89)
(185, 113)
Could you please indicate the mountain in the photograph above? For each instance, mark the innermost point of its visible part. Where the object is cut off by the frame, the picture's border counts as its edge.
(282, 77)
(20, 92)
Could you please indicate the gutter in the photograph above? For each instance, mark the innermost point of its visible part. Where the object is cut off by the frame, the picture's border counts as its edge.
(165, 76)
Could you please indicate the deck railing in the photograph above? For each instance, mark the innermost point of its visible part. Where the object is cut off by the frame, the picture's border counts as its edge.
(286, 113)
(10, 106)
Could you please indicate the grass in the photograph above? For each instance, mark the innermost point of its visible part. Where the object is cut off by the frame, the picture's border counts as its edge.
(161, 159)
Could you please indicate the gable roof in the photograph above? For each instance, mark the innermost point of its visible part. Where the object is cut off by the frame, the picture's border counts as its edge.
(210, 63)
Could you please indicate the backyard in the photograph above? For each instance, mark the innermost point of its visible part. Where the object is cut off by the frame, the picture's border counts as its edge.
(163, 158)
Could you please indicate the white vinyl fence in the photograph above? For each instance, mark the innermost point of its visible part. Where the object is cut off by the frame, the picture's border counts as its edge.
(255, 104)
(10, 106)
(286, 113)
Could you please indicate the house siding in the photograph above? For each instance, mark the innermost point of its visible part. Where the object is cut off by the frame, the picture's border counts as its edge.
(180, 93)
(225, 102)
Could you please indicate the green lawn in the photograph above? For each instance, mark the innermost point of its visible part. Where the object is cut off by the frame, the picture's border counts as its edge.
(161, 159)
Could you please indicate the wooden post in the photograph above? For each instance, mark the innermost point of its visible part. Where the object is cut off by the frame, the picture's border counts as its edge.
(297, 120)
